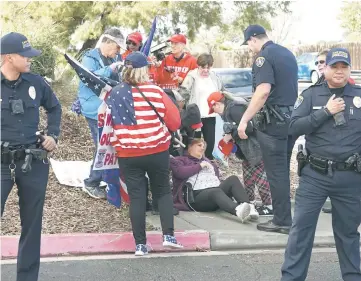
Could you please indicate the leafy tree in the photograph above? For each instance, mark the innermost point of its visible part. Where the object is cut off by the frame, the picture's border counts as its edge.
(69, 24)
(258, 12)
(350, 17)
(18, 17)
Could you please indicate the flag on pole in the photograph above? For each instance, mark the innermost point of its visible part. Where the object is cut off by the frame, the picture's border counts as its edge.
(146, 47)
(99, 85)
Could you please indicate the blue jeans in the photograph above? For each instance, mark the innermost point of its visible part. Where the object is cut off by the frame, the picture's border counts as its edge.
(95, 176)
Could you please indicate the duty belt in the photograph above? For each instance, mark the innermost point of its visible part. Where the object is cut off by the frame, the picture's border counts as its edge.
(14, 153)
(262, 118)
(11, 154)
(326, 166)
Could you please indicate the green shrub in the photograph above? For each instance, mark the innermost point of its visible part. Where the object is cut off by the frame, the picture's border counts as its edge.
(46, 62)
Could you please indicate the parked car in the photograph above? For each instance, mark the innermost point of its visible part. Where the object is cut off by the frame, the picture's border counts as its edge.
(238, 81)
(307, 69)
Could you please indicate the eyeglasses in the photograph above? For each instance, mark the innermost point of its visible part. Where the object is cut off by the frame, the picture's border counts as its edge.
(131, 43)
(321, 62)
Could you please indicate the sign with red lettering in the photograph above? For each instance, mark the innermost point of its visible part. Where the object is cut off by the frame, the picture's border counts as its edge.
(106, 157)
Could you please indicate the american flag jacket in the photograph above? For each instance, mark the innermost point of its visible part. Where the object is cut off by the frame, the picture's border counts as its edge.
(137, 130)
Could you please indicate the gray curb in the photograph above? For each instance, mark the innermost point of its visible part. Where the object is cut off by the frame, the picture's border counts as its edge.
(234, 240)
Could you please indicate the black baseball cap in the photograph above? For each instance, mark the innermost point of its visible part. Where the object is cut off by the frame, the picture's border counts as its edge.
(338, 55)
(252, 30)
(16, 43)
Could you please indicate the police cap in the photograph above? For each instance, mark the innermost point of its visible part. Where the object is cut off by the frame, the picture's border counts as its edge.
(338, 55)
(252, 30)
(16, 43)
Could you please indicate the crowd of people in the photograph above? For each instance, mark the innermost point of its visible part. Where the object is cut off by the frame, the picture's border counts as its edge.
(155, 99)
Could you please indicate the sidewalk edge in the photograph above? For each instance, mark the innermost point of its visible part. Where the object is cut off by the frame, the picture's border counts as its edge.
(105, 243)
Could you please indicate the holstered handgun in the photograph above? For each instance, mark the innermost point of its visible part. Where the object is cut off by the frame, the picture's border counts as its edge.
(259, 121)
(267, 114)
(301, 158)
(37, 153)
(354, 162)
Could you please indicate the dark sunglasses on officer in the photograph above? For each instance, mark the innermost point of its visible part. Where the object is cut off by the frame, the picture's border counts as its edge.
(131, 43)
(319, 61)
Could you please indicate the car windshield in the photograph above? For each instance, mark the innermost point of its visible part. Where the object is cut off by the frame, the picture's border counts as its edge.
(236, 79)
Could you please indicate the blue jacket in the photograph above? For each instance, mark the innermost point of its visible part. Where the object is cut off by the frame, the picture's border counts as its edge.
(89, 101)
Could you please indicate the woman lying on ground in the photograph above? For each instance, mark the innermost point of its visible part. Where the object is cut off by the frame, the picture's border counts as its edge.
(209, 192)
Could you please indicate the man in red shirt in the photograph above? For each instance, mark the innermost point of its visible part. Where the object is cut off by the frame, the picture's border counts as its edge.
(175, 67)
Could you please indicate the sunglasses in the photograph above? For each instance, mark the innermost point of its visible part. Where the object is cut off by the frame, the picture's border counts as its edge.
(131, 43)
(321, 62)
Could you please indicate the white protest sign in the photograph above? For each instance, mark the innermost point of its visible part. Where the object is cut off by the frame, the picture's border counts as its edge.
(106, 157)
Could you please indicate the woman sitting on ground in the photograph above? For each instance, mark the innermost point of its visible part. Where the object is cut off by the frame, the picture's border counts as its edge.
(209, 192)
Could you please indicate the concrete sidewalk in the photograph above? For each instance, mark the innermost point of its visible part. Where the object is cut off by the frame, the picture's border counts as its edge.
(227, 233)
(214, 231)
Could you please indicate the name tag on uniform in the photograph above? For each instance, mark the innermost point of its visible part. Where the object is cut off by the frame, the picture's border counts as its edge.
(317, 107)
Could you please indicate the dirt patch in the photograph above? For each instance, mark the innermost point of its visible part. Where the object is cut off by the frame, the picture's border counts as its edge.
(69, 210)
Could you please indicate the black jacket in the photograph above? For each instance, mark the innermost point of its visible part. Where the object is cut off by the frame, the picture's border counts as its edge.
(248, 149)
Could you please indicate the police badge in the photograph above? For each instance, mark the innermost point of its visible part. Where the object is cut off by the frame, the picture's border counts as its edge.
(357, 102)
(32, 92)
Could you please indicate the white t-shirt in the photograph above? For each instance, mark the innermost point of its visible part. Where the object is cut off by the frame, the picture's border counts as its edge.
(206, 178)
(203, 87)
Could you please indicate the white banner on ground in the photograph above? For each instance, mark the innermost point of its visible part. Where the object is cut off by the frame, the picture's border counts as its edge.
(106, 157)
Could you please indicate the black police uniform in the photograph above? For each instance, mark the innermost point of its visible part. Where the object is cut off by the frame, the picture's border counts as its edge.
(326, 174)
(277, 66)
(20, 102)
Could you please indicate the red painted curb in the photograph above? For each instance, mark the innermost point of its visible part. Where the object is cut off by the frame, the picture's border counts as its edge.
(104, 243)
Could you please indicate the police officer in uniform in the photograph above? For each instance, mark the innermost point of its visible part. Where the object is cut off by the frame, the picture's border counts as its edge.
(329, 115)
(275, 86)
(23, 158)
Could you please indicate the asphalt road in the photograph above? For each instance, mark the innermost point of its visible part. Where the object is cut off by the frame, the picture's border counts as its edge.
(229, 267)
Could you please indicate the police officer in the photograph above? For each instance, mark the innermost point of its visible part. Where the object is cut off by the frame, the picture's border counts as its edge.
(22, 94)
(329, 115)
(275, 86)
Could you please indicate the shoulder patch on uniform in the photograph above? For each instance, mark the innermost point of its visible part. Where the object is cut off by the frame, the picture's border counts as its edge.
(298, 102)
(357, 101)
(260, 61)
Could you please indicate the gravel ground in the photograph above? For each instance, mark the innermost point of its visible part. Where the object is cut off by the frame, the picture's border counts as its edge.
(68, 209)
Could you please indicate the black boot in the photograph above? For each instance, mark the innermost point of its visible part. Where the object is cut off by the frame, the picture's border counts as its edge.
(271, 227)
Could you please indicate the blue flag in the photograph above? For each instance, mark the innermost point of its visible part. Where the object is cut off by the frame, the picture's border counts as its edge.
(146, 47)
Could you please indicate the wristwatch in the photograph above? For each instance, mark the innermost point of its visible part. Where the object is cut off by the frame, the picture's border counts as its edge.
(327, 111)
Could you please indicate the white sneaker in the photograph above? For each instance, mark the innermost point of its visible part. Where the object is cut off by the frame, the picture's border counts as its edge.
(243, 212)
(253, 213)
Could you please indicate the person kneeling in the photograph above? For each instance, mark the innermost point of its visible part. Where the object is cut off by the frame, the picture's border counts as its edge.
(209, 193)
